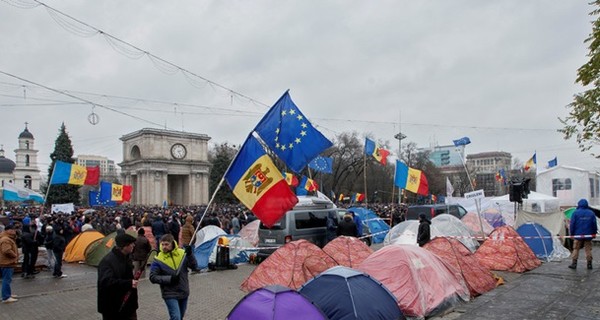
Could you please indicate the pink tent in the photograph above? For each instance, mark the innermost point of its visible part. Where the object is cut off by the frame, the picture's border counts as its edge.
(290, 266)
(250, 232)
(472, 222)
(347, 251)
(421, 282)
(505, 250)
(479, 279)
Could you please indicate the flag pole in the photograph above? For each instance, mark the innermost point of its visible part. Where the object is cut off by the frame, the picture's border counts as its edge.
(365, 179)
(49, 184)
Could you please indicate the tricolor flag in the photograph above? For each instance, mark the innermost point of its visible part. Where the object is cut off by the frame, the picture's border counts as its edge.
(114, 192)
(530, 163)
(291, 179)
(373, 149)
(306, 185)
(411, 179)
(12, 192)
(358, 197)
(258, 184)
(68, 173)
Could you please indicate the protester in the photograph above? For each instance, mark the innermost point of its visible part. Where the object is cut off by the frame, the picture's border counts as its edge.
(48, 244)
(347, 227)
(424, 233)
(9, 257)
(358, 222)
(583, 226)
(187, 231)
(170, 271)
(235, 224)
(331, 226)
(141, 252)
(159, 229)
(117, 288)
(58, 248)
(30, 251)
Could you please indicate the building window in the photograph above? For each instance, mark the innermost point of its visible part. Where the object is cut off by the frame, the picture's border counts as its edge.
(27, 145)
(28, 182)
(27, 160)
(593, 193)
(560, 184)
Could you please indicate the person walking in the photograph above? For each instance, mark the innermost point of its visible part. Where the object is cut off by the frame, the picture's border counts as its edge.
(170, 271)
(48, 244)
(187, 232)
(424, 233)
(30, 250)
(58, 248)
(117, 288)
(9, 257)
(584, 228)
(140, 253)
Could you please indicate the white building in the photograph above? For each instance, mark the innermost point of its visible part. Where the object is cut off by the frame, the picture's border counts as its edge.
(24, 172)
(569, 184)
(107, 166)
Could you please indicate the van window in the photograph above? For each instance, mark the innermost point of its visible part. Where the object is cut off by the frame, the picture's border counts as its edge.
(280, 225)
(310, 219)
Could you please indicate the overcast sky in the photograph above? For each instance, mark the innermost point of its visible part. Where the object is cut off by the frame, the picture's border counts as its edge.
(499, 72)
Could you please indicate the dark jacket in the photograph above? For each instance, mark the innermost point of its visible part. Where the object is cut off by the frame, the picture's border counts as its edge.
(59, 243)
(583, 221)
(347, 227)
(142, 248)
(159, 228)
(165, 265)
(424, 233)
(115, 273)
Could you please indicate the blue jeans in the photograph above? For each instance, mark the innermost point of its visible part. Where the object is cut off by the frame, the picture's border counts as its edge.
(176, 308)
(7, 274)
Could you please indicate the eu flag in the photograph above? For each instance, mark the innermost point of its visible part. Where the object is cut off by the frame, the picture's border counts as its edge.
(462, 141)
(322, 164)
(290, 135)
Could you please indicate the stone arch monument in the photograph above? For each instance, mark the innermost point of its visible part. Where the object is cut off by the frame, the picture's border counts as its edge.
(164, 165)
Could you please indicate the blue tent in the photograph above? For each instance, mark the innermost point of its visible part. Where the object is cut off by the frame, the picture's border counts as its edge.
(376, 225)
(538, 238)
(237, 255)
(344, 293)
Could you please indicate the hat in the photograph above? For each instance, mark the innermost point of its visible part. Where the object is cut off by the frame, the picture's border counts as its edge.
(124, 239)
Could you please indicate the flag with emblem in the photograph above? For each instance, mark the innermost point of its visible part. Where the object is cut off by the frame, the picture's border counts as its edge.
(258, 184)
(69, 173)
(289, 134)
(411, 179)
(373, 149)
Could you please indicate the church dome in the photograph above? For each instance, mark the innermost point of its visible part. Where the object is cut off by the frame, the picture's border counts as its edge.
(6, 165)
(26, 134)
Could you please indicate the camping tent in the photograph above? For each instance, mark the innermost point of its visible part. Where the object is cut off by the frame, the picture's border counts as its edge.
(291, 265)
(100, 248)
(275, 303)
(538, 238)
(208, 233)
(344, 293)
(404, 233)
(505, 250)
(479, 279)
(347, 251)
(75, 250)
(473, 223)
(421, 282)
(377, 226)
(451, 226)
(250, 232)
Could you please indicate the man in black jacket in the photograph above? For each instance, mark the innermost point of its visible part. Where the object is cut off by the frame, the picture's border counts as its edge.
(117, 289)
(424, 233)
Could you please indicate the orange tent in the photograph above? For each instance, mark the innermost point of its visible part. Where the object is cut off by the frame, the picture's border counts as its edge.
(291, 266)
(347, 251)
(478, 278)
(75, 250)
(505, 250)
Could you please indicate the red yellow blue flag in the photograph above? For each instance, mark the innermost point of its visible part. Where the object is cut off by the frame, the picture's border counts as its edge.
(373, 149)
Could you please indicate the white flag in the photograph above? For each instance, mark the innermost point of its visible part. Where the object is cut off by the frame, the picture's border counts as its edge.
(449, 188)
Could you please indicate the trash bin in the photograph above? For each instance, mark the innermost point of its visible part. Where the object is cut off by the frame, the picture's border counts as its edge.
(222, 254)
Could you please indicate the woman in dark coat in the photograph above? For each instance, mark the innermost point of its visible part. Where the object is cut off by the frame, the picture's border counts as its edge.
(424, 233)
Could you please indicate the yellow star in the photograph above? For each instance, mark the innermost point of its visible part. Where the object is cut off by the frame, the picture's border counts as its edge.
(297, 140)
(291, 146)
(277, 130)
(292, 112)
(299, 117)
(303, 133)
(277, 145)
(276, 138)
(283, 147)
(303, 125)
(283, 113)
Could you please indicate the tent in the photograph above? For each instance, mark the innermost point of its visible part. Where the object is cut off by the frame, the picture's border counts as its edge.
(275, 303)
(377, 227)
(494, 218)
(471, 220)
(421, 282)
(347, 251)
(205, 249)
(344, 293)
(240, 250)
(451, 226)
(291, 265)
(75, 250)
(505, 250)
(100, 248)
(479, 279)
(250, 232)
(208, 233)
(538, 238)
(404, 233)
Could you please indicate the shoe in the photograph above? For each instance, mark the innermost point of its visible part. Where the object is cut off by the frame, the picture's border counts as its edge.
(14, 296)
(196, 271)
(62, 276)
(589, 265)
(10, 300)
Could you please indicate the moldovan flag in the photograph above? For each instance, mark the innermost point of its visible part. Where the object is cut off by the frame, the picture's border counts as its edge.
(68, 173)
(258, 184)
(358, 197)
(411, 179)
(373, 149)
(114, 192)
(530, 163)
(291, 179)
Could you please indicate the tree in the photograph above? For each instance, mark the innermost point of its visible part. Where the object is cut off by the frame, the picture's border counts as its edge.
(220, 157)
(583, 121)
(63, 151)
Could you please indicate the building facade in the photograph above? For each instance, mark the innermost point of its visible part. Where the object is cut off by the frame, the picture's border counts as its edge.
(484, 168)
(23, 172)
(569, 184)
(165, 166)
(108, 169)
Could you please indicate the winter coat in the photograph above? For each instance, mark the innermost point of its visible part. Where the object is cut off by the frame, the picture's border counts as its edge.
(115, 275)
(187, 231)
(167, 264)
(159, 228)
(347, 227)
(9, 253)
(58, 244)
(424, 233)
(583, 221)
(142, 248)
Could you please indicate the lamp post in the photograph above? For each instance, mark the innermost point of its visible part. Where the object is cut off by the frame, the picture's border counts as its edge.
(398, 136)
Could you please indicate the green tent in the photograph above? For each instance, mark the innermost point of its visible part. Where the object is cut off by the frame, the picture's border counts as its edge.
(100, 248)
(569, 212)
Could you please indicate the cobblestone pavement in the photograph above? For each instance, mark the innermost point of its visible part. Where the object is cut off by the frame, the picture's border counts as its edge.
(551, 291)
